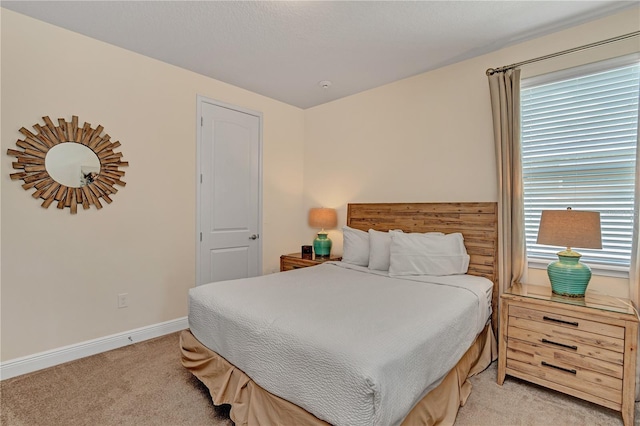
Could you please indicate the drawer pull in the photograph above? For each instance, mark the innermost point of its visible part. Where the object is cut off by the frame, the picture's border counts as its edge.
(546, 318)
(575, 348)
(546, 364)
(296, 267)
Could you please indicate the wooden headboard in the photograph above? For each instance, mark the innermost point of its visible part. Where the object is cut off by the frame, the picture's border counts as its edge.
(477, 222)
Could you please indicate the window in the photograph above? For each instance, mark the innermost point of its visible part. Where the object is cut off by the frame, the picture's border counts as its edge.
(579, 143)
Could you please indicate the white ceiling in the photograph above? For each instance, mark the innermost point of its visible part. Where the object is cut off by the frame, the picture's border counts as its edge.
(283, 49)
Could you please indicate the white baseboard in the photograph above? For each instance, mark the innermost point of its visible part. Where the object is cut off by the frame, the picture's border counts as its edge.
(27, 364)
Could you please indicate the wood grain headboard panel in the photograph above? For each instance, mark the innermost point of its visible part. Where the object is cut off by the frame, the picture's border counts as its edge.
(477, 222)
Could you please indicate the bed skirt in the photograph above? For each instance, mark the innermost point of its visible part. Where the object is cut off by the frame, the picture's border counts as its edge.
(252, 405)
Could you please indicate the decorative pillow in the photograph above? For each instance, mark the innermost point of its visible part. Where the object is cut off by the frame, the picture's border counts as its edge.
(427, 254)
(379, 246)
(355, 246)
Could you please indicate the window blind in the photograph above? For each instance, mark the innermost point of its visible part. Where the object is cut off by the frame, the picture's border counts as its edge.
(579, 142)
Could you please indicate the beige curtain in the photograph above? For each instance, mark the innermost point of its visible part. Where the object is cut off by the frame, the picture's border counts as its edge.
(504, 89)
(634, 270)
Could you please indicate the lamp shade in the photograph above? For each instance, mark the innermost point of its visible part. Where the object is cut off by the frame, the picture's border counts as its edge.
(323, 218)
(570, 228)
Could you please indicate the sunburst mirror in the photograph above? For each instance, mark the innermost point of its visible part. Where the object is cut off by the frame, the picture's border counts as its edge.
(69, 164)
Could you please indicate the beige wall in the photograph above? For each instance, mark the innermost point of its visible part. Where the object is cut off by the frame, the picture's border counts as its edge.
(429, 137)
(61, 273)
(426, 138)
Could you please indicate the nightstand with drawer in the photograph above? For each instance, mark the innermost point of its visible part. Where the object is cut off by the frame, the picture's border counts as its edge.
(585, 347)
(292, 261)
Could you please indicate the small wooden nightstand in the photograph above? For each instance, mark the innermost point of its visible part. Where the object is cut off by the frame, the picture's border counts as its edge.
(585, 347)
(292, 261)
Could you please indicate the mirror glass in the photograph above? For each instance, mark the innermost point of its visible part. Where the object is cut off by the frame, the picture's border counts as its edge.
(72, 164)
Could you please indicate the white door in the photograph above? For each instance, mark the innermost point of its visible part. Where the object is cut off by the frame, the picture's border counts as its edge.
(229, 193)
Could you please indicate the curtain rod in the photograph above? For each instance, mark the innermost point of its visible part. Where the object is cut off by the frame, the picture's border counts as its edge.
(491, 71)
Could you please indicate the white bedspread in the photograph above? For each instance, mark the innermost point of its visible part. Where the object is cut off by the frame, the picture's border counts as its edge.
(350, 346)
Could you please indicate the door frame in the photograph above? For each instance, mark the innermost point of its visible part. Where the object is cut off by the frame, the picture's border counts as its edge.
(200, 99)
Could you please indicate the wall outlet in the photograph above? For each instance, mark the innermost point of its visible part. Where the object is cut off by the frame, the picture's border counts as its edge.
(123, 300)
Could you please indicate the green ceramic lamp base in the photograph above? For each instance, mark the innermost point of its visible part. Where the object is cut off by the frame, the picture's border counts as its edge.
(568, 276)
(322, 245)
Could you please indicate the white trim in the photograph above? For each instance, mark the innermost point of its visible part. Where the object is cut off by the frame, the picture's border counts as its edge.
(27, 364)
(199, 100)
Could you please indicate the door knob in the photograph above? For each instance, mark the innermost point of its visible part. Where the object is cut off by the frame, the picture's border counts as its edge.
(253, 237)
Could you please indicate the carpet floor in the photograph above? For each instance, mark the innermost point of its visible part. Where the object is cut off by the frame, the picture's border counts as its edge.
(144, 384)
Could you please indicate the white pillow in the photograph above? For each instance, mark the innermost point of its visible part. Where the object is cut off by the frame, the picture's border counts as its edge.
(379, 249)
(427, 254)
(355, 246)
(379, 246)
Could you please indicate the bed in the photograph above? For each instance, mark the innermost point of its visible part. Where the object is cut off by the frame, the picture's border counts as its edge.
(345, 344)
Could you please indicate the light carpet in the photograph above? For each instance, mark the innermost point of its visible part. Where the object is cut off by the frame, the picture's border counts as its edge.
(145, 384)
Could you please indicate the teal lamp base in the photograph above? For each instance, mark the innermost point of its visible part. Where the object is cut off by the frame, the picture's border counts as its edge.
(322, 245)
(568, 276)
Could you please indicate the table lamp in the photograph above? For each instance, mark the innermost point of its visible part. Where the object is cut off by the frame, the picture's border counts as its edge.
(322, 218)
(569, 228)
